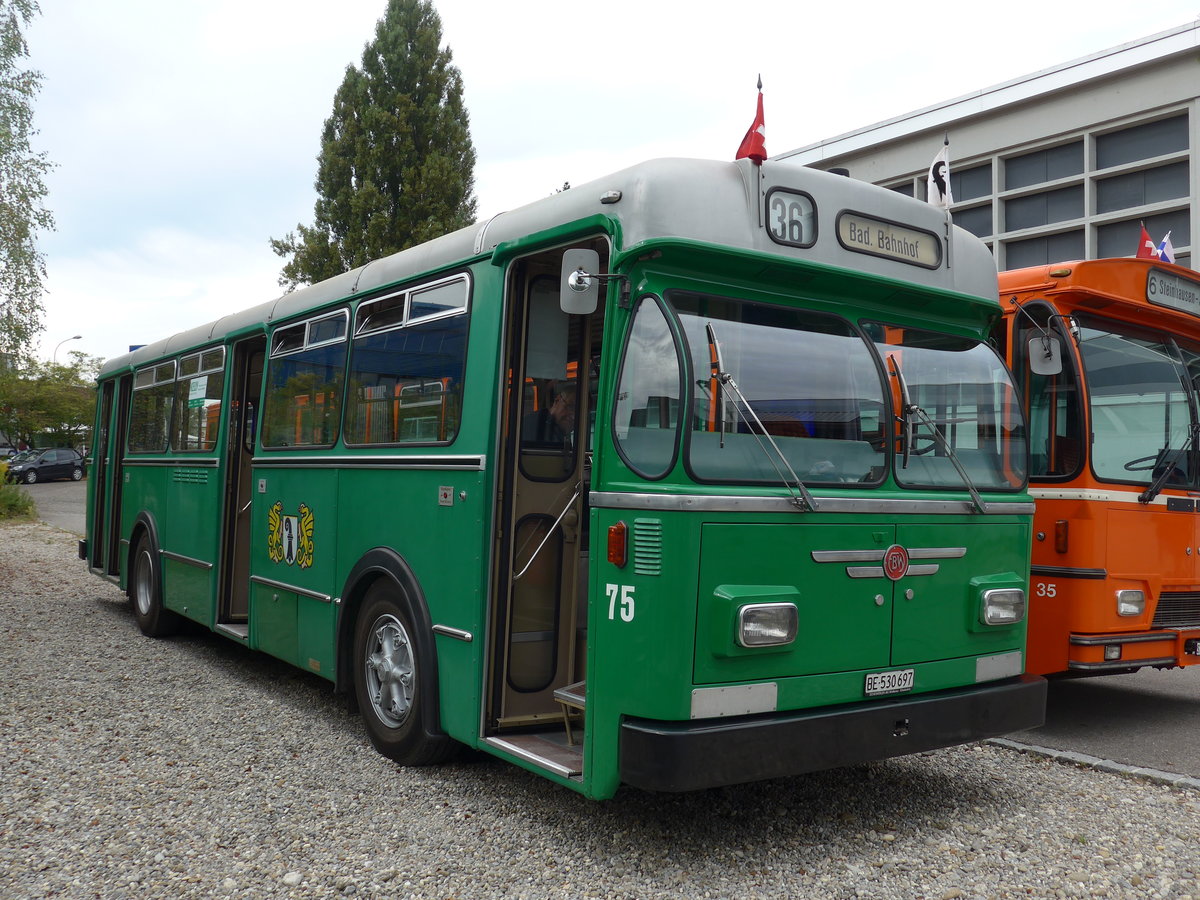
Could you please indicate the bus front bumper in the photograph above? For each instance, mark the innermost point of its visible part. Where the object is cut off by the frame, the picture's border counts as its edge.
(699, 754)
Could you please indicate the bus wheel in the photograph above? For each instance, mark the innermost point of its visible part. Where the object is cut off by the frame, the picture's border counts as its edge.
(145, 590)
(388, 676)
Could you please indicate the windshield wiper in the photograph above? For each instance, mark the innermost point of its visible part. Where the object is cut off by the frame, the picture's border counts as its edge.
(909, 411)
(801, 498)
(1169, 465)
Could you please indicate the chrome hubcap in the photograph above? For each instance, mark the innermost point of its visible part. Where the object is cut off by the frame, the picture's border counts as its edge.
(143, 583)
(390, 671)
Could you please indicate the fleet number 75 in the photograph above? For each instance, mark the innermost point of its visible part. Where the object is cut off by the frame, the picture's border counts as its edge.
(622, 594)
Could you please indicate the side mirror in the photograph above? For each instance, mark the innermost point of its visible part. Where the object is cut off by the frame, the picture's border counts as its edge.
(1045, 355)
(579, 286)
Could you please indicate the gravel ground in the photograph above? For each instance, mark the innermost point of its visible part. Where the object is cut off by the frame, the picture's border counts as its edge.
(191, 768)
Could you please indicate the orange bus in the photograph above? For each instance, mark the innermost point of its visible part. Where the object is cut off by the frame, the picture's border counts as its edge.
(1107, 358)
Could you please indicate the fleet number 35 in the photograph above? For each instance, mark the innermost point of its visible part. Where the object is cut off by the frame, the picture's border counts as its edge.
(620, 595)
(1044, 589)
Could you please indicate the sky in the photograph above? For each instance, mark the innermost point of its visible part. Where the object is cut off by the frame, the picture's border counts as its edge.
(184, 134)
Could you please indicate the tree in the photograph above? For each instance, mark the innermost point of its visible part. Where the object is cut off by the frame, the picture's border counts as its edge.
(396, 166)
(22, 188)
(49, 405)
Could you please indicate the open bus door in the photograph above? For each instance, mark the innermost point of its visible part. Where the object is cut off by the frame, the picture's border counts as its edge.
(248, 361)
(107, 451)
(540, 594)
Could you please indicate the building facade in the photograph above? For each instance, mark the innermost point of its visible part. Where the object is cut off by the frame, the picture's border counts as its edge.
(1066, 163)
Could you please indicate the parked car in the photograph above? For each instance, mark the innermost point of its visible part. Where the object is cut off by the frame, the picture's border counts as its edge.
(46, 465)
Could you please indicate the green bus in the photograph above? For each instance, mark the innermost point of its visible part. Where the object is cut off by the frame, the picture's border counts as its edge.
(698, 474)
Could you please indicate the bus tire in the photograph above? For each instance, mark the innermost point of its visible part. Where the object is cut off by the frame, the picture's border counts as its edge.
(145, 592)
(389, 671)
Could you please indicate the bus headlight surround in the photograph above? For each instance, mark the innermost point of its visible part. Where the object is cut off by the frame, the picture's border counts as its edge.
(767, 624)
(1131, 603)
(1002, 606)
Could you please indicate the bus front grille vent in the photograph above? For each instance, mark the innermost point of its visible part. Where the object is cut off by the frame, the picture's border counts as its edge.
(647, 546)
(1180, 610)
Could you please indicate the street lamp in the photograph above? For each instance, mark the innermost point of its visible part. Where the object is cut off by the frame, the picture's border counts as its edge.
(54, 358)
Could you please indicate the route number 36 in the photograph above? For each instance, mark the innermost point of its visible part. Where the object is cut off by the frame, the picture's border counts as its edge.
(620, 598)
(1046, 589)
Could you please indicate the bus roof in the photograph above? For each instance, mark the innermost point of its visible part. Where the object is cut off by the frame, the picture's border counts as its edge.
(1150, 283)
(707, 202)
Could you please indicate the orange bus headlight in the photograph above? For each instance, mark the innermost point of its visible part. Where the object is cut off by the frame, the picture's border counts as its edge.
(1002, 606)
(767, 624)
(1131, 603)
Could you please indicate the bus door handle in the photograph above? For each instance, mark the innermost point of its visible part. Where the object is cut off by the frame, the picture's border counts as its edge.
(246, 507)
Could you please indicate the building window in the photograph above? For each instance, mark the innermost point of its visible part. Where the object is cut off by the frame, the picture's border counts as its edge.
(977, 220)
(1140, 188)
(1142, 142)
(1043, 165)
(1041, 251)
(1044, 209)
(971, 183)
(1121, 238)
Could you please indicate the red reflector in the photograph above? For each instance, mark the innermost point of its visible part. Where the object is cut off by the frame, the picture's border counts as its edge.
(617, 544)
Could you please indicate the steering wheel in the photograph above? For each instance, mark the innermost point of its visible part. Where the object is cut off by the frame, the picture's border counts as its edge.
(1141, 464)
(914, 450)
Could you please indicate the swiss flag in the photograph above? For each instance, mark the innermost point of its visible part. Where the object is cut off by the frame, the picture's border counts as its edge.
(1146, 248)
(754, 144)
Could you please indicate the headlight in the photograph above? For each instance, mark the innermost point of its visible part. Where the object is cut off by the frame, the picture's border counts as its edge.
(767, 624)
(1002, 606)
(1131, 603)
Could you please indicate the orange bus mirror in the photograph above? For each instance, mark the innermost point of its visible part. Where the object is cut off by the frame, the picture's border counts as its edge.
(1045, 355)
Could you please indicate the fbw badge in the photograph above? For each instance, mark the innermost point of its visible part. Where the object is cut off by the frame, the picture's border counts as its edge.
(290, 538)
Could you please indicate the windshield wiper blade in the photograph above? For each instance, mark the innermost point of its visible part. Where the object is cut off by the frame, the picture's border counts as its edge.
(1168, 466)
(912, 410)
(801, 497)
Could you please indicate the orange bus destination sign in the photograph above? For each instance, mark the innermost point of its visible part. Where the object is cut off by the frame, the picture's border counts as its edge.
(877, 237)
(1173, 291)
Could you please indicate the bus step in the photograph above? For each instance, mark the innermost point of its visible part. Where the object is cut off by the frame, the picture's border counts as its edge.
(571, 697)
(556, 757)
(238, 631)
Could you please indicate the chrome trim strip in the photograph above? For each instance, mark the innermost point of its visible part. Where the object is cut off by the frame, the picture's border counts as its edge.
(457, 633)
(181, 462)
(452, 463)
(877, 571)
(1128, 495)
(864, 571)
(1099, 640)
(1122, 664)
(187, 560)
(283, 586)
(837, 556)
(709, 503)
(937, 552)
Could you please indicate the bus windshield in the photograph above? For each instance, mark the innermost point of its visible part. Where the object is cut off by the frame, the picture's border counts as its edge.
(964, 392)
(807, 377)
